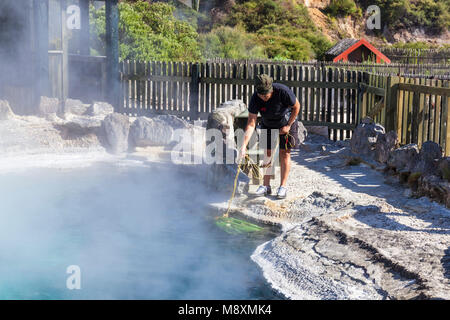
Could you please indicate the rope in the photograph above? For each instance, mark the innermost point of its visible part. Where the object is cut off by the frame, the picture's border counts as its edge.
(254, 168)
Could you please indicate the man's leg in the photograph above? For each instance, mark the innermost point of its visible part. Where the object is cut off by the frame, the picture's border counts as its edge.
(285, 165)
(267, 171)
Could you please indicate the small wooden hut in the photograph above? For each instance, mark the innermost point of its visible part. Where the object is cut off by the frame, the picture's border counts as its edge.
(353, 50)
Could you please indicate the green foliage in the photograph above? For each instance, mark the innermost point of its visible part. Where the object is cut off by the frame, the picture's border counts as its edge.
(233, 43)
(283, 27)
(150, 31)
(255, 15)
(431, 14)
(343, 8)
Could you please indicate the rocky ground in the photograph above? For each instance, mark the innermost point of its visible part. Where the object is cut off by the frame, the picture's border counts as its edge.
(350, 232)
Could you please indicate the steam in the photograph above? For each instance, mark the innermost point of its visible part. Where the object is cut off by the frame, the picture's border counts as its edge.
(15, 46)
(134, 233)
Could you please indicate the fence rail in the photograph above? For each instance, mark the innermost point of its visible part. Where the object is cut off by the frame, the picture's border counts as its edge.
(416, 108)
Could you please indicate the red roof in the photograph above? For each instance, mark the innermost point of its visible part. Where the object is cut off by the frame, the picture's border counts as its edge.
(361, 42)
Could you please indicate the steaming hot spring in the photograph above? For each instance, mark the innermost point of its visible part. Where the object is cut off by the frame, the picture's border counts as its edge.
(80, 222)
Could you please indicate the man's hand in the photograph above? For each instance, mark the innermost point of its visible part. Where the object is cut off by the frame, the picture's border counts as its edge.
(242, 153)
(285, 129)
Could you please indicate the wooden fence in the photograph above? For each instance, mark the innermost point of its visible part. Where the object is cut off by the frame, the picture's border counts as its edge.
(334, 97)
(328, 96)
(417, 56)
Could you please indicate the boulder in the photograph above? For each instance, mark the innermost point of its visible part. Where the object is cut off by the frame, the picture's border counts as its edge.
(173, 121)
(48, 105)
(445, 187)
(5, 111)
(116, 129)
(78, 126)
(444, 168)
(342, 143)
(76, 107)
(319, 130)
(100, 109)
(365, 137)
(302, 133)
(222, 119)
(404, 158)
(432, 186)
(428, 159)
(222, 176)
(386, 143)
(146, 132)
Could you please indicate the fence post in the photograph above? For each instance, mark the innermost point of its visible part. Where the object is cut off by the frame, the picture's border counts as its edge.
(387, 97)
(415, 118)
(390, 100)
(193, 92)
(445, 129)
(359, 101)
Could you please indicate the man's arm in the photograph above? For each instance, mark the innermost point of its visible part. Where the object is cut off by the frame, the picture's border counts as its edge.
(295, 111)
(249, 129)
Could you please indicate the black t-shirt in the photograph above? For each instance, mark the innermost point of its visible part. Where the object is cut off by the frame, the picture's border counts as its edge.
(276, 111)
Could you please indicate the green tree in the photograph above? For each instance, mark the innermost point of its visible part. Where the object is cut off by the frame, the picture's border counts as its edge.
(149, 31)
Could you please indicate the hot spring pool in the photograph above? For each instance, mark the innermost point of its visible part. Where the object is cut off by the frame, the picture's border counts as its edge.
(134, 232)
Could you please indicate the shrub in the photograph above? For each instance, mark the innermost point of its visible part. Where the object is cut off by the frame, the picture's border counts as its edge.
(343, 8)
(228, 42)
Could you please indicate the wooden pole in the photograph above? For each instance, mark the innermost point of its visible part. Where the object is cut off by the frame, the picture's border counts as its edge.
(84, 32)
(112, 53)
(41, 67)
(193, 92)
(65, 57)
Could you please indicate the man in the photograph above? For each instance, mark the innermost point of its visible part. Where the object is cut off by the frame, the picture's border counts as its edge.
(279, 108)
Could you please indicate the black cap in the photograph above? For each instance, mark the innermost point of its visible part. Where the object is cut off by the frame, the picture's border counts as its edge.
(263, 84)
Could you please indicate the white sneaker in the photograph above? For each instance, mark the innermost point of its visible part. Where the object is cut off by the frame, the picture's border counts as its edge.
(263, 191)
(281, 193)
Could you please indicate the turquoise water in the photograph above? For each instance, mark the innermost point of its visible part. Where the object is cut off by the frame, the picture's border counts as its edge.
(135, 233)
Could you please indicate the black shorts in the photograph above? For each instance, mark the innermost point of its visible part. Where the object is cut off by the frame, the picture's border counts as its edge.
(287, 142)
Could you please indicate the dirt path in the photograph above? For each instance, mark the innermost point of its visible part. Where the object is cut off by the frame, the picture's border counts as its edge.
(350, 235)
